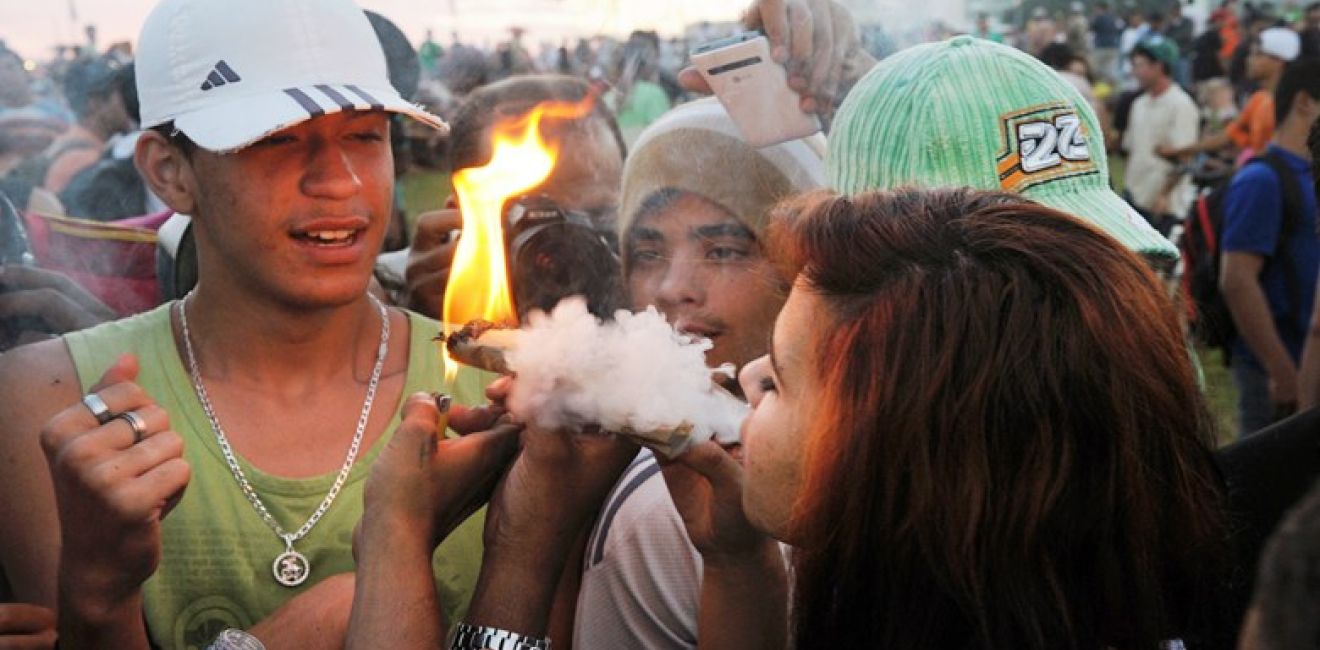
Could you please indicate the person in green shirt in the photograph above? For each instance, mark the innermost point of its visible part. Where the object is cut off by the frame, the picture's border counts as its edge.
(983, 29)
(638, 99)
(643, 104)
(428, 54)
(268, 392)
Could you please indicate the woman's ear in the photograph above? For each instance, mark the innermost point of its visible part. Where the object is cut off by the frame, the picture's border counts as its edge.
(167, 171)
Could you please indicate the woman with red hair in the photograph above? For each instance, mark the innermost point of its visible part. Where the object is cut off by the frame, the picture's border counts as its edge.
(978, 427)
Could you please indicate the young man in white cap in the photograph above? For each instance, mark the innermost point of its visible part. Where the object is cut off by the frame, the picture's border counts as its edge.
(267, 121)
(1254, 126)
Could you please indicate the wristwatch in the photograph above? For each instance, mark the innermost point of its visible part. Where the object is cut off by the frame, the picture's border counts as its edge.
(476, 637)
(233, 639)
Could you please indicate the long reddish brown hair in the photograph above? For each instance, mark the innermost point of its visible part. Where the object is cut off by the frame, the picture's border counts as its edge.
(1011, 450)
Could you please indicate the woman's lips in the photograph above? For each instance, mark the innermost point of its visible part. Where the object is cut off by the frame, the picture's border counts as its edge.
(699, 330)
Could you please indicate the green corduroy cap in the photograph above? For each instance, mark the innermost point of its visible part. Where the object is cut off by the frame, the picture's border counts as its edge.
(968, 112)
(1159, 48)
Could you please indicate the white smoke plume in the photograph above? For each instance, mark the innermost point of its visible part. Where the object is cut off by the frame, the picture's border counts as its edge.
(634, 373)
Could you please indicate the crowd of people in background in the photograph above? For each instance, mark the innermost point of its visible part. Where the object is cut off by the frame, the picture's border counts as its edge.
(972, 318)
(90, 87)
(1183, 102)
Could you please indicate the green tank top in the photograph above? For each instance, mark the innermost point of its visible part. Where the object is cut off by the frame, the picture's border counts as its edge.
(215, 569)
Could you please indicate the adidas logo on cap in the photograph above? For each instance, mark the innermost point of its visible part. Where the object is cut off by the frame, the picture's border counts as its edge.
(220, 75)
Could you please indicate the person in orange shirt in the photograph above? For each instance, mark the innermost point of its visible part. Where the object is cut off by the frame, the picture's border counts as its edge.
(1230, 32)
(1254, 126)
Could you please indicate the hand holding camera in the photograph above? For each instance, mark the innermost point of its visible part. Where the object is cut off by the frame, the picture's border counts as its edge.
(552, 254)
(432, 253)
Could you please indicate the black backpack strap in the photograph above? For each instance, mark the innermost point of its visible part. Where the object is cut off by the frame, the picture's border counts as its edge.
(1292, 216)
(1292, 195)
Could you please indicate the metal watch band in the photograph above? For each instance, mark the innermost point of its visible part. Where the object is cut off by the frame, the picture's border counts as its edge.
(476, 637)
(232, 639)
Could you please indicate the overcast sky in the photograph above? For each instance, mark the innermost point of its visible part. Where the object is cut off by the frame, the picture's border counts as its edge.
(33, 27)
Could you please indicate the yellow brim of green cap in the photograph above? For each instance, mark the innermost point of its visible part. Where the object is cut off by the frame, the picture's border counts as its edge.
(1107, 210)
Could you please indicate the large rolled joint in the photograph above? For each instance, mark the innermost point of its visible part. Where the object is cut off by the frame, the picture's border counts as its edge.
(482, 344)
(485, 345)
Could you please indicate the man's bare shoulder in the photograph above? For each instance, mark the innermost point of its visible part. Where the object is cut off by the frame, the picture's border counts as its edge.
(36, 382)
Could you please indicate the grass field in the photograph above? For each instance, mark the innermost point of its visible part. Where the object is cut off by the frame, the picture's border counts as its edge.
(1219, 389)
(427, 190)
(1220, 393)
(423, 190)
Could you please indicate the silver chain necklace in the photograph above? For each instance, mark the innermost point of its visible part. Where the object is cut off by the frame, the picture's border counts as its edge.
(290, 568)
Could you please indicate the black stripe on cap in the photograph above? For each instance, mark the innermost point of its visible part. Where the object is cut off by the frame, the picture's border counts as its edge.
(375, 105)
(336, 97)
(306, 102)
(227, 72)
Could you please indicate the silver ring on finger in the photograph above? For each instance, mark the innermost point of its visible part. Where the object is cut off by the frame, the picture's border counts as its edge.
(136, 421)
(97, 406)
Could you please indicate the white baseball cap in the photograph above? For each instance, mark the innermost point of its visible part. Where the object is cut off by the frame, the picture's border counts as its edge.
(1280, 43)
(230, 72)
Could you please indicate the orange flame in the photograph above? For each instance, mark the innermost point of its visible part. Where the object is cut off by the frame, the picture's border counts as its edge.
(478, 285)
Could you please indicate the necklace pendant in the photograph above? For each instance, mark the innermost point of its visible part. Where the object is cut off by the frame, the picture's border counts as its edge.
(291, 568)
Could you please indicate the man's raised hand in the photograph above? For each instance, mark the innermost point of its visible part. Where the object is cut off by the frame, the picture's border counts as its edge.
(425, 484)
(429, 260)
(115, 478)
(816, 40)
